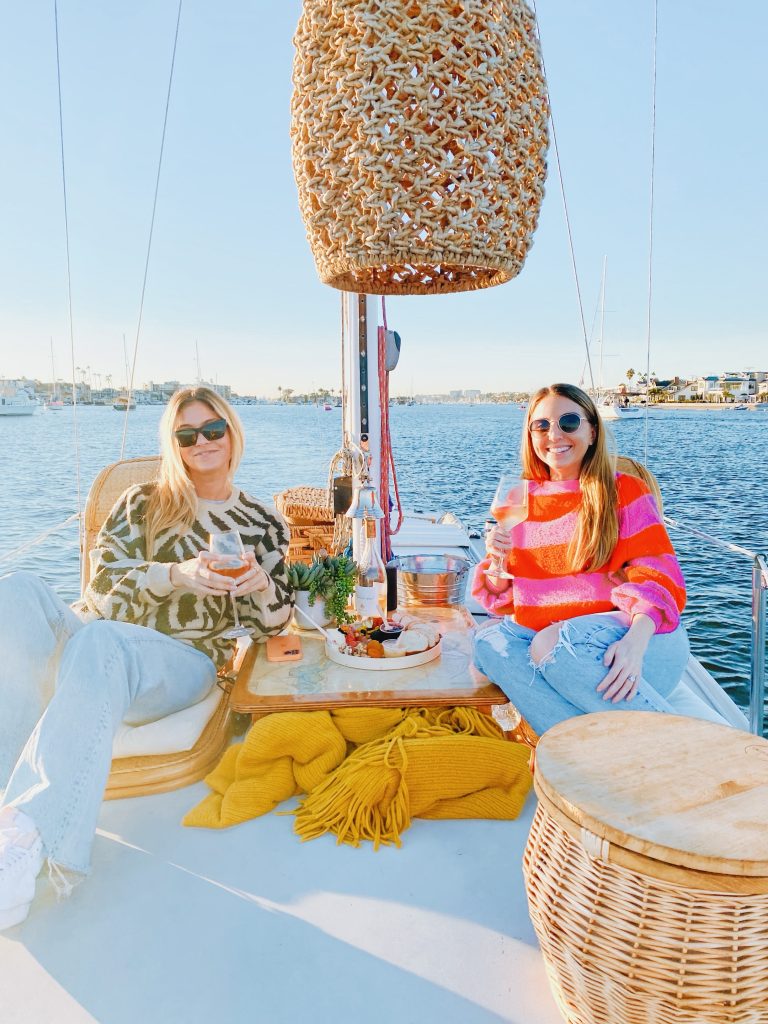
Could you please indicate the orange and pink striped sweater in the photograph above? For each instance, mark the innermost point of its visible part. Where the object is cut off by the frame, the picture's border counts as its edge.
(641, 576)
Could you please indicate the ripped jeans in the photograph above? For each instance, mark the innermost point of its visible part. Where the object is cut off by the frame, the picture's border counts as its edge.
(65, 687)
(564, 682)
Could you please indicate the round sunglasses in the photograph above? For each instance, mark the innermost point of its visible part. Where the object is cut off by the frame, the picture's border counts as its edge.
(212, 431)
(569, 423)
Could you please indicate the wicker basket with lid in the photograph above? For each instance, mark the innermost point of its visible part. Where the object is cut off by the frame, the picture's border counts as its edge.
(647, 870)
(311, 522)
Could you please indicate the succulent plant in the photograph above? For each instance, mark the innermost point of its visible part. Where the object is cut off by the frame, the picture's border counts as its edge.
(329, 577)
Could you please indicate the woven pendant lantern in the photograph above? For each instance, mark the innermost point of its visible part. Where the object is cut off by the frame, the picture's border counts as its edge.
(419, 134)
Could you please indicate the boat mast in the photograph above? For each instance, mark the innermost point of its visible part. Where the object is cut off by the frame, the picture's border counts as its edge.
(360, 394)
(602, 319)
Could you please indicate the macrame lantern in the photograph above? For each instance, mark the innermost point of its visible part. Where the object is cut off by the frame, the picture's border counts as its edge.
(419, 133)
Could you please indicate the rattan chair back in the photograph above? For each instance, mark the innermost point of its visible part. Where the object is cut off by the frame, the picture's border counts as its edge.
(109, 484)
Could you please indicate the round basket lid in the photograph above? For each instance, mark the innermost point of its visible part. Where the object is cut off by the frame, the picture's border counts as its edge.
(679, 790)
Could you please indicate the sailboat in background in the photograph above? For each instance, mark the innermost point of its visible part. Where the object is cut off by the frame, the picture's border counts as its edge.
(608, 403)
(125, 400)
(54, 403)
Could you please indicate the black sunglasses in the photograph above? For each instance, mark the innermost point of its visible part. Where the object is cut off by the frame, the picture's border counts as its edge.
(213, 431)
(569, 423)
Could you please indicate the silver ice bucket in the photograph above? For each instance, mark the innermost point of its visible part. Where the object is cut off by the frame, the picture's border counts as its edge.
(431, 579)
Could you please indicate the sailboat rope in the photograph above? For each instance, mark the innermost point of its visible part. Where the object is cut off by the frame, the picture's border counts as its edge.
(151, 231)
(387, 458)
(9, 556)
(75, 431)
(724, 544)
(565, 202)
(650, 224)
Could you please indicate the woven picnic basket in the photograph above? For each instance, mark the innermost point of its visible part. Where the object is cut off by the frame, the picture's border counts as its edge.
(311, 522)
(419, 138)
(647, 870)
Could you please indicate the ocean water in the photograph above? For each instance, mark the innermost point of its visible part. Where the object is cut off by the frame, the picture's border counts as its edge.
(710, 465)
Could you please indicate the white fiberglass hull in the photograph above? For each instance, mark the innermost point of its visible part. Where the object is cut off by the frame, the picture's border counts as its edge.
(18, 409)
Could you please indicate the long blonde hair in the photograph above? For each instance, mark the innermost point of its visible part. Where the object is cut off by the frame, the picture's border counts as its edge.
(173, 502)
(597, 531)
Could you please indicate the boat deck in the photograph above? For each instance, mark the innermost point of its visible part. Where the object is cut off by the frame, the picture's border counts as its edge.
(179, 924)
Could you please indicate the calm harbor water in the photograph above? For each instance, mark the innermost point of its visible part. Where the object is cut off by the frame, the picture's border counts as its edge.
(710, 465)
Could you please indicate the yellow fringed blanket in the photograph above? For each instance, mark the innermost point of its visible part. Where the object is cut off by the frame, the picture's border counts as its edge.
(368, 771)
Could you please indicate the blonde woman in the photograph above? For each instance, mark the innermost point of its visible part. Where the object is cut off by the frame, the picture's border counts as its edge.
(146, 640)
(591, 619)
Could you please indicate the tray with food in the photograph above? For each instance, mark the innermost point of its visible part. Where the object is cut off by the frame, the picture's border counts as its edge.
(374, 644)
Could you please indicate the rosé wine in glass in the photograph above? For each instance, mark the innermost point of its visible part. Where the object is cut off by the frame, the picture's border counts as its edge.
(230, 561)
(509, 508)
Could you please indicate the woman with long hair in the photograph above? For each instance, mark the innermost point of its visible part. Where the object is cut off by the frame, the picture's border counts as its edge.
(146, 640)
(591, 618)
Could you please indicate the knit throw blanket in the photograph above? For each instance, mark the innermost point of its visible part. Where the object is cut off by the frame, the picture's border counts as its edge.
(368, 771)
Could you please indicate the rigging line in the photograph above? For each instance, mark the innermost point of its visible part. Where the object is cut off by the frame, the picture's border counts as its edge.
(151, 230)
(650, 225)
(726, 545)
(565, 202)
(69, 272)
(8, 556)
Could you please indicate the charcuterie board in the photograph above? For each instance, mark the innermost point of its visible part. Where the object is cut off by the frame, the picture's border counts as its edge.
(382, 664)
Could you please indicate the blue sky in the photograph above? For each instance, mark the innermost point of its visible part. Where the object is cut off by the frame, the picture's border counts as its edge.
(231, 268)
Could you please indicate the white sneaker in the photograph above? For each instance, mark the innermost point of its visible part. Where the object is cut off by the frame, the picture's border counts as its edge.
(21, 857)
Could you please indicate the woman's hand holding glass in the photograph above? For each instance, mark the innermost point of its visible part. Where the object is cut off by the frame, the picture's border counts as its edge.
(498, 543)
(198, 576)
(510, 507)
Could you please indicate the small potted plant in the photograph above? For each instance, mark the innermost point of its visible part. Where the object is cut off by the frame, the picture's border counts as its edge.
(323, 588)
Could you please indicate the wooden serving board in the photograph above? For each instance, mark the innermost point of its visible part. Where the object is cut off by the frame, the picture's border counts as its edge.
(678, 790)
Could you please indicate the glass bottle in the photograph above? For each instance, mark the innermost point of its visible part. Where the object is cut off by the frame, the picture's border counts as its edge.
(371, 582)
(391, 570)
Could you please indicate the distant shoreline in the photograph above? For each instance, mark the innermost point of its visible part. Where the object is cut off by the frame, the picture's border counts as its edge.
(708, 406)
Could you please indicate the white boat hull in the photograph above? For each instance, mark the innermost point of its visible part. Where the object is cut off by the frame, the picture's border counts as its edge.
(613, 412)
(11, 408)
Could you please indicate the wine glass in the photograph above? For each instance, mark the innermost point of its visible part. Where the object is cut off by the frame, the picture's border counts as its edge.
(230, 561)
(509, 507)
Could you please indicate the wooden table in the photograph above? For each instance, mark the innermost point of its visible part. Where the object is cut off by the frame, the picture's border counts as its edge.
(316, 683)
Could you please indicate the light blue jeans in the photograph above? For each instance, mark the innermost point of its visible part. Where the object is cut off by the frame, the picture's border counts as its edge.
(65, 687)
(564, 682)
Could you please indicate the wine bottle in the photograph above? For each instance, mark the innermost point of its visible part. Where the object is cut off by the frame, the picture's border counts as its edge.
(371, 582)
(391, 570)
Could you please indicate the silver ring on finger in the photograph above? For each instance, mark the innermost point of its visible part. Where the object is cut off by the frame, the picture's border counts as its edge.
(632, 679)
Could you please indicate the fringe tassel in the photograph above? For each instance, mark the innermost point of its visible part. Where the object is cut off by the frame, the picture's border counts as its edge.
(365, 798)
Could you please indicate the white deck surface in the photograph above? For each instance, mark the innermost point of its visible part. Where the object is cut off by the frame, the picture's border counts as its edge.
(252, 925)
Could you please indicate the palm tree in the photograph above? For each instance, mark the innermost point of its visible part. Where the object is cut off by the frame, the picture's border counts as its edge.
(630, 374)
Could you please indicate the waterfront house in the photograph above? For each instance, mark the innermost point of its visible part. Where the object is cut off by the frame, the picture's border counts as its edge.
(709, 388)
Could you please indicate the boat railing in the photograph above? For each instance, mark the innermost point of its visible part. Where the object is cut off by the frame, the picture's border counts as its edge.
(758, 634)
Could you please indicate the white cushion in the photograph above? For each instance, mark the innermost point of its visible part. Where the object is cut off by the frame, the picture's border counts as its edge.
(170, 735)
(698, 695)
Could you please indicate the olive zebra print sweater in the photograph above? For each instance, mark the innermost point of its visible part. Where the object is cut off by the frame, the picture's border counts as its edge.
(130, 586)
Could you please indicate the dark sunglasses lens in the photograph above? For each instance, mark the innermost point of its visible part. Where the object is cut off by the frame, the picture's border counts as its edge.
(214, 431)
(570, 422)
